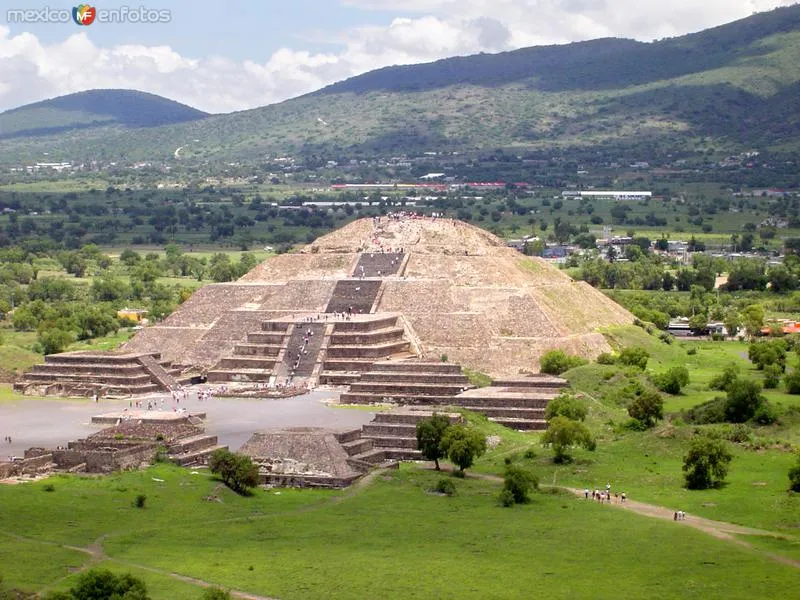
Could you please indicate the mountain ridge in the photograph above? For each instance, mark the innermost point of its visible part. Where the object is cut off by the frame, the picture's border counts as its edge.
(732, 87)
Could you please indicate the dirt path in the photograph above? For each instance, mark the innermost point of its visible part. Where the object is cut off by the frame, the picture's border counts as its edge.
(718, 529)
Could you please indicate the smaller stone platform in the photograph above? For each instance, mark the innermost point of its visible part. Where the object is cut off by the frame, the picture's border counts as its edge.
(144, 416)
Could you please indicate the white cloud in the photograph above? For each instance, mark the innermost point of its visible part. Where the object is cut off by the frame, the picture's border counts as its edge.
(424, 30)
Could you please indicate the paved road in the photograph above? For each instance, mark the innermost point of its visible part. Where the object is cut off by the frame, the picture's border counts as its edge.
(50, 423)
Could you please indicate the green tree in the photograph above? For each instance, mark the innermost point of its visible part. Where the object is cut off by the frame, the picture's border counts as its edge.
(792, 382)
(743, 401)
(706, 463)
(102, 584)
(698, 323)
(673, 380)
(519, 483)
(566, 405)
(430, 433)
(562, 434)
(721, 381)
(772, 376)
(732, 321)
(463, 445)
(647, 408)
(237, 471)
(54, 340)
(753, 319)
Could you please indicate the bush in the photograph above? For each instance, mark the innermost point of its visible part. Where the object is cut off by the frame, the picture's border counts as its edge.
(606, 359)
(667, 338)
(463, 446)
(520, 482)
(102, 584)
(215, 593)
(563, 433)
(237, 471)
(49, 487)
(768, 353)
(691, 351)
(672, 380)
(530, 453)
(721, 382)
(634, 357)
(794, 476)
(140, 501)
(506, 498)
(556, 362)
(647, 408)
(765, 414)
(566, 405)
(792, 382)
(54, 340)
(772, 376)
(744, 399)
(445, 486)
(712, 411)
(706, 463)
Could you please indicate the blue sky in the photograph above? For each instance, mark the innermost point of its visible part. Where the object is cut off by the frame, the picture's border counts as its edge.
(235, 54)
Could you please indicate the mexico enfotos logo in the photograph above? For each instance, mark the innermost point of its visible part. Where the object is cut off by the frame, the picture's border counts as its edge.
(86, 14)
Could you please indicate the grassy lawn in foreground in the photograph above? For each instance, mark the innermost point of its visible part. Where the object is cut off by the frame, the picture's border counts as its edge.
(365, 543)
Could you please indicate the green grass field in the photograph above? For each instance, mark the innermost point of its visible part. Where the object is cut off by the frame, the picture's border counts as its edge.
(365, 543)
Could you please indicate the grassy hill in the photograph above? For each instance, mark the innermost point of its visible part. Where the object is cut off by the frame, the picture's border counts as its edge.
(732, 87)
(94, 109)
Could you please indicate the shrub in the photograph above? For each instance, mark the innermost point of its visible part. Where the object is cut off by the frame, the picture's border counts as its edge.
(647, 408)
(443, 358)
(97, 584)
(691, 351)
(215, 593)
(712, 411)
(54, 340)
(721, 382)
(606, 359)
(520, 482)
(566, 405)
(529, 453)
(792, 382)
(49, 487)
(634, 357)
(765, 414)
(706, 463)
(140, 501)
(794, 476)
(772, 376)
(430, 433)
(445, 486)
(463, 446)
(563, 433)
(672, 380)
(768, 353)
(744, 399)
(556, 362)
(506, 498)
(237, 471)
(666, 337)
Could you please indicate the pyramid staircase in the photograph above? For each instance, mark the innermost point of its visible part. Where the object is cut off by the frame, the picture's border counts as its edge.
(388, 438)
(86, 373)
(354, 346)
(516, 403)
(256, 359)
(379, 264)
(355, 296)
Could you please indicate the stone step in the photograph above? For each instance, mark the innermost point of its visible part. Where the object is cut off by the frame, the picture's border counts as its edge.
(266, 338)
(388, 441)
(400, 378)
(380, 350)
(402, 454)
(506, 412)
(373, 398)
(373, 456)
(415, 366)
(367, 337)
(198, 457)
(534, 381)
(239, 375)
(521, 424)
(349, 365)
(192, 444)
(411, 417)
(230, 363)
(335, 378)
(389, 429)
(100, 368)
(402, 389)
(365, 325)
(251, 349)
(275, 326)
(99, 358)
(134, 380)
(358, 446)
(347, 436)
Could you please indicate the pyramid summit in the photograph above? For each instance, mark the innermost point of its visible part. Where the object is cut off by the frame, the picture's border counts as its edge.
(395, 287)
